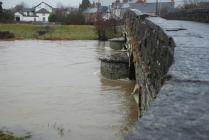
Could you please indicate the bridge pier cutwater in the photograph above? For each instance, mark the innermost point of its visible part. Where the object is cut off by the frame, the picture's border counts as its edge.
(169, 61)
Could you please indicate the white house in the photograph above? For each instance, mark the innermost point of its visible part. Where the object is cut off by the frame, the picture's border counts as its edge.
(39, 13)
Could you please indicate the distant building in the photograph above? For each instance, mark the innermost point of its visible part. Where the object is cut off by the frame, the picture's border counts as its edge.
(151, 8)
(106, 12)
(39, 13)
(91, 13)
(116, 8)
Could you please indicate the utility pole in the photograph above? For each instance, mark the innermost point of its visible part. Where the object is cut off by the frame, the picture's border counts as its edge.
(157, 8)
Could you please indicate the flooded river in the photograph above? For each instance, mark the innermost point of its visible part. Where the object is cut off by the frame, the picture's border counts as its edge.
(54, 91)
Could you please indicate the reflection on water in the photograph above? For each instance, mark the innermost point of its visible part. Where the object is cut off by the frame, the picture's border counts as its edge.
(54, 90)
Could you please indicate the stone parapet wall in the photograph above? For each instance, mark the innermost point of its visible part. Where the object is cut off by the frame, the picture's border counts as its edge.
(151, 51)
(181, 109)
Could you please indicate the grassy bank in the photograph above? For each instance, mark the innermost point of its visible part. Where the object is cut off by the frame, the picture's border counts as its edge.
(51, 32)
(10, 136)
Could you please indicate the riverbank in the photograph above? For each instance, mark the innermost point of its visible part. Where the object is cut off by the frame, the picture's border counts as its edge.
(10, 136)
(51, 32)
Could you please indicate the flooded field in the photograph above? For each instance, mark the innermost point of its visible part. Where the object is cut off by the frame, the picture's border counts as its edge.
(54, 91)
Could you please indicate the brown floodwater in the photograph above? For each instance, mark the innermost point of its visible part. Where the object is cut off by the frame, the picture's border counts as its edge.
(54, 91)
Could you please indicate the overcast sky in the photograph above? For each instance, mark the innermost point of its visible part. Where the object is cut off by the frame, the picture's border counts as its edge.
(54, 3)
(74, 3)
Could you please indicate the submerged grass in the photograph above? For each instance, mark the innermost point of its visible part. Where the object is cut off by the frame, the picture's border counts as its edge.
(51, 32)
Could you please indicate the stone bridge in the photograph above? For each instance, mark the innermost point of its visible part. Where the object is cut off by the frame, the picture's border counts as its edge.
(170, 61)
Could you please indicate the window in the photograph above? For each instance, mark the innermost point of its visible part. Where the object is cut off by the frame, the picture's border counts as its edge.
(28, 13)
(44, 19)
(43, 14)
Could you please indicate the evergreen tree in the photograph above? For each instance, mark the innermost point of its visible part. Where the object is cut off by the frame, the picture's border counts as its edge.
(1, 11)
(84, 5)
(8, 15)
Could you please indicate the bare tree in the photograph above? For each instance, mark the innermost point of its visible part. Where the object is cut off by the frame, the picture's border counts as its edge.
(20, 6)
(191, 4)
(60, 5)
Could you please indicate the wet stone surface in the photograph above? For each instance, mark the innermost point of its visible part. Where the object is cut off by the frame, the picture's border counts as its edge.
(117, 43)
(115, 66)
(181, 109)
(180, 112)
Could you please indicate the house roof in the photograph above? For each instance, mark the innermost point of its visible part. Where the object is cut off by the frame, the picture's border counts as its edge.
(104, 9)
(28, 10)
(43, 10)
(90, 11)
(44, 3)
(132, 1)
(20, 13)
(125, 5)
(150, 7)
(25, 15)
